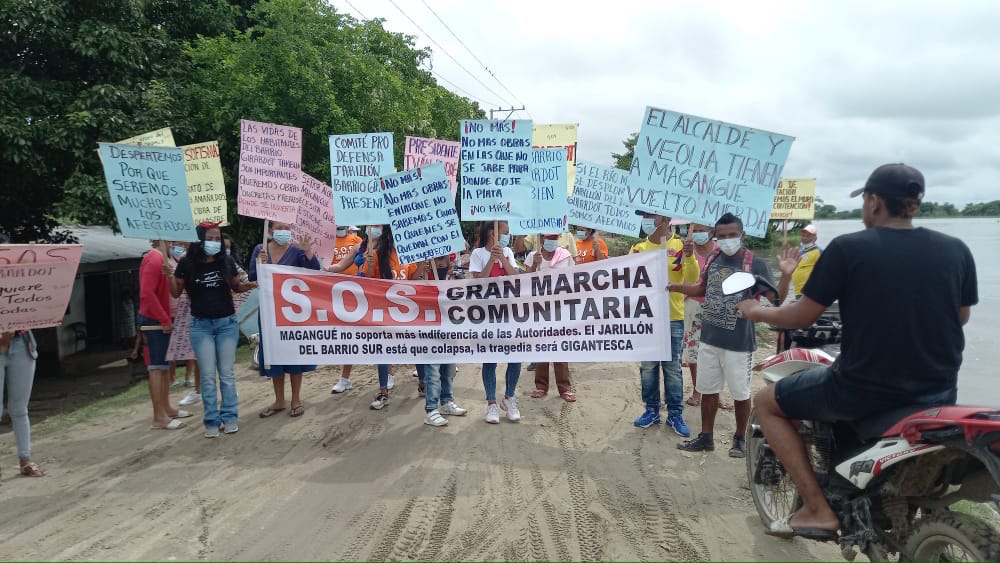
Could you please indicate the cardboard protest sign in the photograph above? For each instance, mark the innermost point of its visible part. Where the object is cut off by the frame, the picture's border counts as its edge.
(179, 347)
(614, 310)
(246, 312)
(149, 191)
(159, 138)
(496, 169)
(420, 152)
(206, 186)
(270, 171)
(600, 200)
(795, 199)
(695, 168)
(316, 216)
(356, 163)
(548, 136)
(422, 214)
(549, 210)
(36, 281)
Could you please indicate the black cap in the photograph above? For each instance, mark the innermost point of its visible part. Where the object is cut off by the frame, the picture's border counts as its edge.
(894, 180)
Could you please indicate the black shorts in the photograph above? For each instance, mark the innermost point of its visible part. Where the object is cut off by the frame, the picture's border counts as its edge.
(817, 395)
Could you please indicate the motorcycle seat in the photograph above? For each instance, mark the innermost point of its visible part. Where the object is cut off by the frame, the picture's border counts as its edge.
(871, 428)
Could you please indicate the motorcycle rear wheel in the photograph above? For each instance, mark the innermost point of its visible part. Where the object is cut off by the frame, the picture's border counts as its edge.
(951, 536)
(772, 502)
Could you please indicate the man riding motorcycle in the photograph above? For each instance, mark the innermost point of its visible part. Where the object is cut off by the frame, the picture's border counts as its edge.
(904, 296)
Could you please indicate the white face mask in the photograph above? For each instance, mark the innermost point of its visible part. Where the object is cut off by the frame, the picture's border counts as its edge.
(730, 246)
(342, 232)
(648, 225)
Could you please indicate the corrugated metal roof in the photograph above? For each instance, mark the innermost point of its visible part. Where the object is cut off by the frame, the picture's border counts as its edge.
(100, 244)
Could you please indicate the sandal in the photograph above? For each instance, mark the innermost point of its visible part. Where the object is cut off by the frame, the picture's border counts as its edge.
(538, 393)
(270, 411)
(174, 424)
(297, 411)
(568, 396)
(181, 413)
(32, 470)
(693, 402)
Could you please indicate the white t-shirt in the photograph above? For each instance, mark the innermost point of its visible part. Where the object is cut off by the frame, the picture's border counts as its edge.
(561, 258)
(481, 256)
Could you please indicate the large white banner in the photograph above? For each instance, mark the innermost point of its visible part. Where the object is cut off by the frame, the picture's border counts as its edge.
(605, 311)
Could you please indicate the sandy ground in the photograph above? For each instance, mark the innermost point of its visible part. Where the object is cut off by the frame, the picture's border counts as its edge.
(571, 481)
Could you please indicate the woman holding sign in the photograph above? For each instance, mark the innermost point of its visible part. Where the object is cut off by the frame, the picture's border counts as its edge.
(283, 252)
(589, 246)
(210, 277)
(494, 258)
(551, 257)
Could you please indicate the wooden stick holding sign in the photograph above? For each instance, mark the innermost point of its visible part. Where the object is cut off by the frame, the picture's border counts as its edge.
(262, 259)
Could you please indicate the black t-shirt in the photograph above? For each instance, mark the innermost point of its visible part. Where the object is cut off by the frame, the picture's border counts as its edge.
(207, 284)
(900, 291)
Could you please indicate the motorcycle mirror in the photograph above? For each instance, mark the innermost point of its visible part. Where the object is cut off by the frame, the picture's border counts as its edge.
(740, 281)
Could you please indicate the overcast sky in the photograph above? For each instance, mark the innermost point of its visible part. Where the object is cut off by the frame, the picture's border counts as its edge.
(857, 83)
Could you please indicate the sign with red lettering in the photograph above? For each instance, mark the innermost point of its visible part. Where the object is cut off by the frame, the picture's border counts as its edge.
(421, 151)
(36, 281)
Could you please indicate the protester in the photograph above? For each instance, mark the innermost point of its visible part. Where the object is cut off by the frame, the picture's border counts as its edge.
(18, 353)
(154, 312)
(589, 246)
(725, 354)
(551, 257)
(347, 244)
(701, 236)
(282, 251)
(191, 376)
(209, 278)
(436, 379)
(494, 258)
(682, 268)
(797, 263)
(233, 251)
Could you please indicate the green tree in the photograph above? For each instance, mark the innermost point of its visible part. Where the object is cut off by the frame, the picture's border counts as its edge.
(624, 160)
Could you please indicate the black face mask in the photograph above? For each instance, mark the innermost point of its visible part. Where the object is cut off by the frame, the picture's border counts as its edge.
(442, 273)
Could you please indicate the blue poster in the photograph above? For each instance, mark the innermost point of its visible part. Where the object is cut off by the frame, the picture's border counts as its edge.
(496, 169)
(693, 168)
(600, 200)
(357, 161)
(149, 191)
(422, 214)
(549, 210)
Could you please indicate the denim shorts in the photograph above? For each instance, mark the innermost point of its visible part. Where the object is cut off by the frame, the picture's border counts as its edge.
(157, 342)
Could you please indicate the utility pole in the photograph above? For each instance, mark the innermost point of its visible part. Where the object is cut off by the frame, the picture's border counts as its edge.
(510, 111)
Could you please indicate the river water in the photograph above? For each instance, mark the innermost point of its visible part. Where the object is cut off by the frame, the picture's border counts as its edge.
(978, 381)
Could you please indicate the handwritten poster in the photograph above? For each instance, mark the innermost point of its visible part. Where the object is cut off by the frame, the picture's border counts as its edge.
(206, 186)
(179, 347)
(149, 191)
(496, 169)
(356, 164)
(270, 171)
(159, 138)
(420, 152)
(316, 216)
(690, 167)
(600, 200)
(549, 211)
(795, 199)
(422, 214)
(549, 136)
(36, 281)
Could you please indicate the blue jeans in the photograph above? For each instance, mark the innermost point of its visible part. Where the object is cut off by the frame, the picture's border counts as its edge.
(421, 372)
(214, 344)
(673, 381)
(17, 372)
(437, 385)
(490, 380)
(383, 376)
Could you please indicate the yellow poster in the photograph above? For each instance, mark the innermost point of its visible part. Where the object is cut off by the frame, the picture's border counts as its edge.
(159, 138)
(795, 199)
(206, 186)
(558, 136)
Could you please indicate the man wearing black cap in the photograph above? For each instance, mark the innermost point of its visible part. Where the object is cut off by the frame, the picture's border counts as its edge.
(904, 295)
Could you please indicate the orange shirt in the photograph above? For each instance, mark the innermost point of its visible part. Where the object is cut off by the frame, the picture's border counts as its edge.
(399, 271)
(585, 250)
(344, 246)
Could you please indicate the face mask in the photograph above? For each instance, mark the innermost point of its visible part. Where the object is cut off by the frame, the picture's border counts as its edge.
(648, 225)
(376, 232)
(212, 247)
(342, 232)
(730, 245)
(282, 236)
(550, 245)
(442, 273)
(581, 235)
(177, 251)
(504, 240)
(700, 237)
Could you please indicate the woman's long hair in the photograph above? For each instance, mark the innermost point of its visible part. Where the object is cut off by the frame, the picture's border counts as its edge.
(196, 252)
(234, 250)
(485, 228)
(385, 248)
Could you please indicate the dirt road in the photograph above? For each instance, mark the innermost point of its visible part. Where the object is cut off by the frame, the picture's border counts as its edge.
(345, 482)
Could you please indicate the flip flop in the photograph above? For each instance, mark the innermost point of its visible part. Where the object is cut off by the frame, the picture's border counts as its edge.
(692, 402)
(270, 412)
(181, 413)
(297, 411)
(782, 529)
(32, 470)
(568, 396)
(174, 424)
(538, 393)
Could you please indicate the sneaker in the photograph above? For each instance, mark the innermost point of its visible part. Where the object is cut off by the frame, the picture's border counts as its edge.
(191, 398)
(739, 448)
(415, 373)
(341, 386)
(493, 414)
(434, 418)
(380, 401)
(231, 428)
(680, 427)
(188, 383)
(649, 417)
(391, 383)
(531, 366)
(703, 443)
(452, 409)
(212, 432)
(509, 404)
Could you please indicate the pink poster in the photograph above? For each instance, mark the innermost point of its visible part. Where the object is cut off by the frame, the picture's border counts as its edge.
(36, 281)
(179, 348)
(316, 216)
(420, 151)
(270, 171)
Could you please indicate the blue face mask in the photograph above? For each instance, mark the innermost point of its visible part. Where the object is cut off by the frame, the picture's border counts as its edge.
(282, 236)
(177, 251)
(504, 240)
(581, 234)
(376, 232)
(648, 225)
(700, 237)
(550, 244)
(342, 232)
(212, 247)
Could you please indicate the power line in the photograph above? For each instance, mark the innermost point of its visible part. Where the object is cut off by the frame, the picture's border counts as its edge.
(481, 63)
(462, 90)
(445, 51)
(355, 9)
